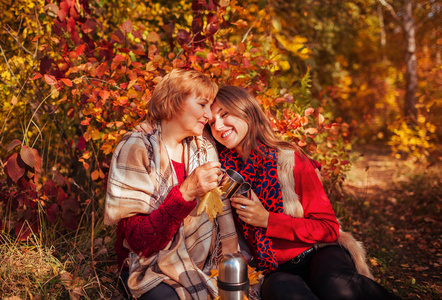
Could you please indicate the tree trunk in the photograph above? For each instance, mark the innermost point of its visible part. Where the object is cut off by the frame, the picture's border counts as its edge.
(383, 35)
(410, 60)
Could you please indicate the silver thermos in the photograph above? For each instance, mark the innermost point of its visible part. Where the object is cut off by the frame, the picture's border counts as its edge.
(233, 280)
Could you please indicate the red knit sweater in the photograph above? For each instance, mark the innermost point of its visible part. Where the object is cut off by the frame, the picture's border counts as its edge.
(147, 234)
(292, 236)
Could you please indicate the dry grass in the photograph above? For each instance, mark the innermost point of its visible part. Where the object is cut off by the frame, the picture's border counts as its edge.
(66, 267)
(28, 270)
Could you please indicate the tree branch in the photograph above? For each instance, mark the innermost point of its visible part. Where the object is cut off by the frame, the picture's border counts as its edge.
(390, 8)
(248, 31)
(18, 42)
(9, 67)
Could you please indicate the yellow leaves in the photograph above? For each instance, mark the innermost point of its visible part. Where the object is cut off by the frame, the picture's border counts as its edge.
(412, 139)
(296, 45)
(92, 133)
(254, 276)
(284, 65)
(211, 203)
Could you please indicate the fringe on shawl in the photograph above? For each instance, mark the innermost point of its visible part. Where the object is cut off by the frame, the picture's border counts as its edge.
(293, 207)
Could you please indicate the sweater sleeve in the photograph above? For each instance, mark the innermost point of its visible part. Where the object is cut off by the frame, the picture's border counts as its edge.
(319, 224)
(147, 234)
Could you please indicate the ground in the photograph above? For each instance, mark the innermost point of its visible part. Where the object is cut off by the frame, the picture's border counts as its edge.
(394, 207)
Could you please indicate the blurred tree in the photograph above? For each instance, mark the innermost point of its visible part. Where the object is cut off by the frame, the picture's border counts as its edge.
(407, 22)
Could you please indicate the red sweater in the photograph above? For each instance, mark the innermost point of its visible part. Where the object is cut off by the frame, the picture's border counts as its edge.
(147, 234)
(292, 236)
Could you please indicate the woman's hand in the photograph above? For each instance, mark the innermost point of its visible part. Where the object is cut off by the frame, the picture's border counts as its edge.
(203, 179)
(251, 211)
(144, 126)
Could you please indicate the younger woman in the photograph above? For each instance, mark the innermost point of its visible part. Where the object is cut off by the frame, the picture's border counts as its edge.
(288, 223)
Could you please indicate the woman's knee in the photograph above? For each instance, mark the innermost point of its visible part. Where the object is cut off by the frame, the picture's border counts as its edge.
(336, 287)
(281, 285)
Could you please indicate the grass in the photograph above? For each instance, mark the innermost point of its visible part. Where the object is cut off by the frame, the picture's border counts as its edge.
(28, 270)
(78, 265)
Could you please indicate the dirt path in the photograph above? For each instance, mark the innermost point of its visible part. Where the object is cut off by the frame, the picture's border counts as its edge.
(394, 207)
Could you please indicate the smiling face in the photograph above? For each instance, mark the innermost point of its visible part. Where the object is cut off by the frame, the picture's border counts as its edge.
(227, 129)
(193, 115)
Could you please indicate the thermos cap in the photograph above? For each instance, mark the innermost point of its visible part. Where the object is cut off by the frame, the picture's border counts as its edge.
(233, 269)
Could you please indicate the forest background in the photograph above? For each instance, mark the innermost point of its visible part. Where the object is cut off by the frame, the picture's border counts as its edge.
(334, 77)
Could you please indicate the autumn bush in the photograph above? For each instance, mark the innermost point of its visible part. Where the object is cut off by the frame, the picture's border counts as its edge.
(87, 84)
(78, 80)
(77, 75)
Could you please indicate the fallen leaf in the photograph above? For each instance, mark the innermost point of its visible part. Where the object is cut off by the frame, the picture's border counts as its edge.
(213, 272)
(211, 203)
(254, 276)
(66, 279)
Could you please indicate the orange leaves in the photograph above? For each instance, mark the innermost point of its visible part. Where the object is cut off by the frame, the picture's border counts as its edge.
(127, 26)
(80, 49)
(66, 82)
(153, 37)
(104, 94)
(122, 100)
(95, 175)
(51, 80)
(101, 69)
(30, 157)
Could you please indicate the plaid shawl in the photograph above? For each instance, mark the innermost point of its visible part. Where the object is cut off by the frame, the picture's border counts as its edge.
(141, 175)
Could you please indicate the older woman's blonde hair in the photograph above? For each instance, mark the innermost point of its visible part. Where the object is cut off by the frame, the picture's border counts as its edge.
(174, 88)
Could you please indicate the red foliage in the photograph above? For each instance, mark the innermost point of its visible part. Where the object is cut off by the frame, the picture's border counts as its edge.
(104, 85)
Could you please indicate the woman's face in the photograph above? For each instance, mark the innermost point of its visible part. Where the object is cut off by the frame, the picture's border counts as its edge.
(195, 113)
(227, 129)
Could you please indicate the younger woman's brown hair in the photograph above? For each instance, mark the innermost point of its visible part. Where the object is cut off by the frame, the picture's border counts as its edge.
(240, 103)
(174, 88)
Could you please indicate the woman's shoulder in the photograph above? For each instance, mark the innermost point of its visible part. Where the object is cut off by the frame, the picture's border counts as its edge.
(301, 160)
(134, 146)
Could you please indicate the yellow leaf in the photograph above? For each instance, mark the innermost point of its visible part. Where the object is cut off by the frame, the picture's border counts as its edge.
(211, 203)
(254, 276)
(213, 272)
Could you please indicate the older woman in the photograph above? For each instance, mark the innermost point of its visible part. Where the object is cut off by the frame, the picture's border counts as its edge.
(165, 249)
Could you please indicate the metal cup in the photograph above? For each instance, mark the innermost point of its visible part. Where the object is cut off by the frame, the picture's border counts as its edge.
(231, 182)
(244, 190)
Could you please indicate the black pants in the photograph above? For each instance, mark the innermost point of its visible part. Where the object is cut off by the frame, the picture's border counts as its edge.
(328, 273)
(160, 292)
